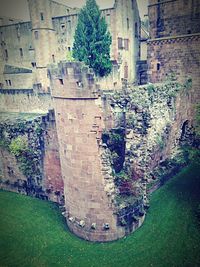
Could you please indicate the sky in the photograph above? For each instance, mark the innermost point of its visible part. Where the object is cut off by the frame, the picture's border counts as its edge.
(19, 8)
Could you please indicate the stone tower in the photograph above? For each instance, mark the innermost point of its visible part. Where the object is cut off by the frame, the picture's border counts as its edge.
(43, 36)
(89, 210)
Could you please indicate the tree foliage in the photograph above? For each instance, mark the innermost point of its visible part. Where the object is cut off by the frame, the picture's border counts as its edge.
(92, 39)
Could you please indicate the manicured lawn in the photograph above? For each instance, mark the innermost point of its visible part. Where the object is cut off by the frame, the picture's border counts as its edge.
(33, 233)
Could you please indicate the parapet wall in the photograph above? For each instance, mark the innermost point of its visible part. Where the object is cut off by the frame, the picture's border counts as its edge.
(23, 100)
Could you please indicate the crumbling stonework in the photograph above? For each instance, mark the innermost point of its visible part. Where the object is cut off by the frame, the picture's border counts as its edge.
(28, 147)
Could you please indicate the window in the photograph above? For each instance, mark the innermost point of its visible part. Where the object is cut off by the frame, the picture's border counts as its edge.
(69, 48)
(36, 35)
(61, 81)
(18, 31)
(6, 54)
(158, 66)
(42, 16)
(126, 44)
(53, 58)
(33, 64)
(63, 27)
(69, 24)
(21, 52)
(8, 82)
(127, 21)
(136, 30)
(120, 43)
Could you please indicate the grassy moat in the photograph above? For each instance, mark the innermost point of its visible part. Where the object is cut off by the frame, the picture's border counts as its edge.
(34, 233)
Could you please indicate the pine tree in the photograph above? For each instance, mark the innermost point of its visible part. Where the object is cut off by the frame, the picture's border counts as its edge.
(92, 40)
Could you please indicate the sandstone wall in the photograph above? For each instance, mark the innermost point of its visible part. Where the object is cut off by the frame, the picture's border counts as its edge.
(24, 101)
(36, 170)
(173, 18)
(89, 209)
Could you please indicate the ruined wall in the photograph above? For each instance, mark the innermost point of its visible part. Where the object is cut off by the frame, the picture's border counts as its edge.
(25, 101)
(151, 122)
(29, 162)
(173, 48)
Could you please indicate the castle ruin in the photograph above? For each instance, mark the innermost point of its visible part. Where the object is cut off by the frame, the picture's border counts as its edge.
(98, 142)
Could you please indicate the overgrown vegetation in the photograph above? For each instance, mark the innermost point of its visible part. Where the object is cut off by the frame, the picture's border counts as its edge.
(115, 140)
(92, 40)
(36, 235)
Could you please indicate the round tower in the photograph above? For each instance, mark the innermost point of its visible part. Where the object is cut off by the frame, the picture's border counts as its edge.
(43, 36)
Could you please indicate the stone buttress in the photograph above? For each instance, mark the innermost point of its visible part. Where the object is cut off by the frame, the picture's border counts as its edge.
(89, 211)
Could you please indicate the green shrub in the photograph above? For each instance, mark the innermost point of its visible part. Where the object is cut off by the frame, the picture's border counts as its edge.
(18, 146)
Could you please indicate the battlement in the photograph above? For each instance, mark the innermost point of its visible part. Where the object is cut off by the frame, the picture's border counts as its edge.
(72, 80)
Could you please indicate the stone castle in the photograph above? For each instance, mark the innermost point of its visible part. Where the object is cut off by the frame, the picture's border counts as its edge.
(95, 146)
(48, 38)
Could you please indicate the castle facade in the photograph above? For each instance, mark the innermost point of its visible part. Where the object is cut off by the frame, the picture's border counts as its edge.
(28, 47)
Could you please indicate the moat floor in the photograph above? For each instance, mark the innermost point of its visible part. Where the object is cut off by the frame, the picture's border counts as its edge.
(33, 233)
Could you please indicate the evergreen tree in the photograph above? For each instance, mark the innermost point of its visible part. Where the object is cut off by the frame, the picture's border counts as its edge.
(92, 40)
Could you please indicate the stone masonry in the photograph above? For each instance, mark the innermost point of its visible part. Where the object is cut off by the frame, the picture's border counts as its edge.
(89, 211)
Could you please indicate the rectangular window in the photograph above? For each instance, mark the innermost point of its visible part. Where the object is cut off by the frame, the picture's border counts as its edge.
(69, 24)
(33, 64)
(126, 44)
(6, 54)
(21, 52)
(69, 48)
(120, 43)
(36, 35)
(158, 66)
(42, 16)
(9, 81)
(53, 58)
(136, 30)
(61, 81)
(6, 82)
(127, 21)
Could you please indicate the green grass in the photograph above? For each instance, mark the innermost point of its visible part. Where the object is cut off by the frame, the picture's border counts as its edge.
(33, 233)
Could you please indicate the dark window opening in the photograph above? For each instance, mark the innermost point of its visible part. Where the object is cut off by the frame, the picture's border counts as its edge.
(69, 24)
(21, 52)
(127, 23)
(120, 43)
(9, 82)
(61, 81)
(36, 35)
(158, 66)
(42, 16)
(189, 31)
(53, 58)
(6, 82)
(69, 48)
(6, 54)
(33, 64)
(136, 30)
(63, 27)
